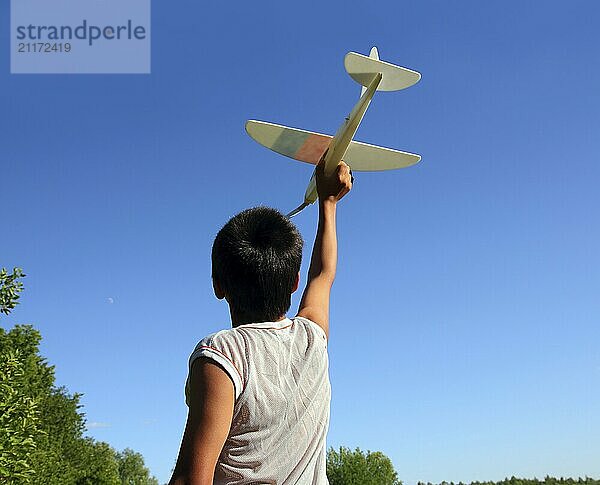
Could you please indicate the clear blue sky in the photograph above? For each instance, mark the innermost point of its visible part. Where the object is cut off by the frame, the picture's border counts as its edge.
(466, 311)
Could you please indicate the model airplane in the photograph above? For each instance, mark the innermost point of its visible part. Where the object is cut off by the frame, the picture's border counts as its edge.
(307, 146)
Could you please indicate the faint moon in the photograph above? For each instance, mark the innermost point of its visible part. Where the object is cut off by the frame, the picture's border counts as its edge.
(110, 300)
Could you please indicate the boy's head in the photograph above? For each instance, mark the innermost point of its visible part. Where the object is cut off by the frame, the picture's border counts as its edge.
(256, 260)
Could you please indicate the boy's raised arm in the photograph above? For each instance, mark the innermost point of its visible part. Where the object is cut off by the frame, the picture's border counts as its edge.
(315, 299)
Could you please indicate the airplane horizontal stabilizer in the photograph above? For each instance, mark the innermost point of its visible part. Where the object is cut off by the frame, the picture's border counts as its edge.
(362, 69)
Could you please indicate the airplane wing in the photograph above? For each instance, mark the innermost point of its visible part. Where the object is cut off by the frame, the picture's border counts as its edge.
(371, 158)
(308, 146)
(302, 145)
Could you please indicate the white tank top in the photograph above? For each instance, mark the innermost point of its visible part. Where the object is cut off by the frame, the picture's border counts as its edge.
(282, 395)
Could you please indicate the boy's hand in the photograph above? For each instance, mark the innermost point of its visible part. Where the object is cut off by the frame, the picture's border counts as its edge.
(333, 187)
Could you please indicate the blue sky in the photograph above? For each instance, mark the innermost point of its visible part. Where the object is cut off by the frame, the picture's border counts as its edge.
(465, 314)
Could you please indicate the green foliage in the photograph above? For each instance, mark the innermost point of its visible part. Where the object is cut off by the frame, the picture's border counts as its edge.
(63, 455)
(347, 467)
(19, 420)
(132, 470)
(530, 481)
(101, 467)
(10, 287)
(50, 448)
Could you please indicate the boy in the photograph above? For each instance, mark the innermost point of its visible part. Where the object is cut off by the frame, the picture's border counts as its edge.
(258, 394)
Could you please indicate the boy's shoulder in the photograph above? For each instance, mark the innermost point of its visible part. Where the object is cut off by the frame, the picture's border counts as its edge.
(228, 342)
(225, 348)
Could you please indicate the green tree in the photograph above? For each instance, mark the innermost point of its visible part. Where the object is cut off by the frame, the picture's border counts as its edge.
(19, 421)
(347, 467)
(50, 448)
(57, 434)
(10, 287)
(132, 470)
(101, 467)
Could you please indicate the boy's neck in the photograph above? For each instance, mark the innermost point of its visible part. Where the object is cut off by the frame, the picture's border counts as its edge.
(237, 320)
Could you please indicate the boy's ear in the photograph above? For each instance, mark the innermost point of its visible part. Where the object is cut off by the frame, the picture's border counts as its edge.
(297, 283)
(219, 293)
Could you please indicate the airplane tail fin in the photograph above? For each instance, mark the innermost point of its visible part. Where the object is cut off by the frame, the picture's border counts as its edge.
(374, 54)
(362, 69)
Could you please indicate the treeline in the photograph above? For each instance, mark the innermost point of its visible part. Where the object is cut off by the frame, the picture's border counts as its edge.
(356, 467)
(42, 427)
(548, 480)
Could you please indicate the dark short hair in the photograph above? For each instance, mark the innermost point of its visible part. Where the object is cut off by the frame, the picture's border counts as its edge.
(256, 258)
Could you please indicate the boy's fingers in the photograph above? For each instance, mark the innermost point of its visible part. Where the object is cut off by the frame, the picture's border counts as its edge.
(345, 181)
(338, 183)
(343, 170)
(345, 173)
(344, 190)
